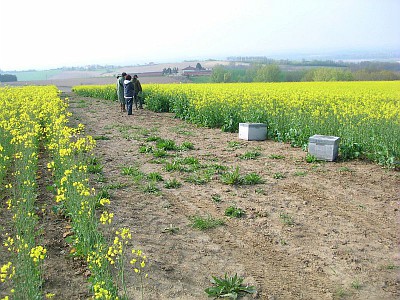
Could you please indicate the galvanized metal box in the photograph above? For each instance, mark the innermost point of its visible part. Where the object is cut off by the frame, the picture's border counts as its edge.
(253, 131)
(324, 147)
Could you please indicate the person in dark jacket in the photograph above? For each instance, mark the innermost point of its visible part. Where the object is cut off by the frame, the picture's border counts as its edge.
(128, 93)
(138, 89)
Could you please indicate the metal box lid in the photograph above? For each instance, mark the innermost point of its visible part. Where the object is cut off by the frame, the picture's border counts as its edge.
(324, 139)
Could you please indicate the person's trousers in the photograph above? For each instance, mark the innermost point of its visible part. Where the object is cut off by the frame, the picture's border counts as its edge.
(138, 100)
(129, 103)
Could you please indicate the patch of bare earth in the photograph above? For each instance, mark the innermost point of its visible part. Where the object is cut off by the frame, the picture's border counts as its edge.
(310, 231)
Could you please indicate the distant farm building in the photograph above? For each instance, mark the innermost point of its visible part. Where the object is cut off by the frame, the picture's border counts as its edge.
(192, 71)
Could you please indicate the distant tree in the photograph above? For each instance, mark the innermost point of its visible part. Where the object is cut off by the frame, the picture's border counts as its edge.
(268, 73)
(365, 74)
(328, 74)
(8, 78)
(332, 74)
(199, 67)
(217, 74)
(294, 76)
(227, 77)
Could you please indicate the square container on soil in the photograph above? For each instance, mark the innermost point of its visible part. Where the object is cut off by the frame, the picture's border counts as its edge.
(324, 147)
(253, 131)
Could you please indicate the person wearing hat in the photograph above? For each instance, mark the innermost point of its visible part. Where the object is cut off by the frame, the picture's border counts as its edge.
(120, 91)
(138, 90)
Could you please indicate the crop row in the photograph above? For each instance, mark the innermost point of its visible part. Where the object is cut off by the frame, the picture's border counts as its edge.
(34, 125)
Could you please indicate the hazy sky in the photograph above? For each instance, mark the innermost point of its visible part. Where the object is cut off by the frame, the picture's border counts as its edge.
(45, 34)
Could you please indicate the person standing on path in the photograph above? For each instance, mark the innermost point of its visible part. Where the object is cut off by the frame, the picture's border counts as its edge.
(138, 90)
(120, 91)
(128, 93)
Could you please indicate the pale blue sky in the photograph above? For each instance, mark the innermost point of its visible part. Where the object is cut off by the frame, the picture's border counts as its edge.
(49, 34)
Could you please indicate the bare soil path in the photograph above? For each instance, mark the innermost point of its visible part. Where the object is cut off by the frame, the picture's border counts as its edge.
(310, 231)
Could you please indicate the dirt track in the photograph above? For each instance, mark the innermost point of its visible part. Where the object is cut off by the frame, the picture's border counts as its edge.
(310, 231)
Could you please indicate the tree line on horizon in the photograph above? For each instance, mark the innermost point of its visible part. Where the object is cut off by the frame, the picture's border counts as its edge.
(273, 72)
(7, 78)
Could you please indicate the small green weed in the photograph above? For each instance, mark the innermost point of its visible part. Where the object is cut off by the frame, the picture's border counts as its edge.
(166, 145)
(311, 158)
(186, 146)
(94, 166)
(233, 145)
(95, 169)
(251, 179)
(229, 287)
(128, 170)
(153, 139)
(204, 223)
(159, 161)
(151, 188)
(276, 156)
(143, 131)
(160, 153)
(145, 149)
(234, 212)
(250, 155)
(286, 219)
(154, 176)
(174, 166)
(198, 178)
(103, 193)
(182, 130)
(278, 176)
(190, 160)
(341, 293)
(101, 178)
(356, 285)
(232, 177)
(392, 267)
(115, 186)
(134, 172)
(300, 173)
(216, 198)
(217, 168)
(345, 170)
(172, 184)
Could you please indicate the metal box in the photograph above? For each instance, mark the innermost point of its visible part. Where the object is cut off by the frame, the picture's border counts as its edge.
(253, 131)
(324, 147)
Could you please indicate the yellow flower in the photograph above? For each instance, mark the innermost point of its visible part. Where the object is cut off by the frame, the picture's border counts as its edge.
(50, 295)
(106, 217)
(104, 201)
(38, 253)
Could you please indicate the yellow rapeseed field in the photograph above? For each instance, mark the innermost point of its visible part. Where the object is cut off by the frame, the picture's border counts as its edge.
(365, 115)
